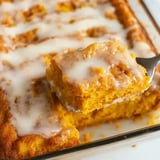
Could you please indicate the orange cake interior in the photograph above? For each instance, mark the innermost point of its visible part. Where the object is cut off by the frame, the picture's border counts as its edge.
(32, 120)
(138, 105)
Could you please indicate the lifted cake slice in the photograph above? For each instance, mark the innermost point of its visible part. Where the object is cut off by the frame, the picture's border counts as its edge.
(95, 77)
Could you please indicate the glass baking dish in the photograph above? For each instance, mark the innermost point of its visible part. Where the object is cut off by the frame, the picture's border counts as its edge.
(121, 130)
(101, 145)
(104, 135)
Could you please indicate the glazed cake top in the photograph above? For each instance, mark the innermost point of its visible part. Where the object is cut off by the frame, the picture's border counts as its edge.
(97, 60)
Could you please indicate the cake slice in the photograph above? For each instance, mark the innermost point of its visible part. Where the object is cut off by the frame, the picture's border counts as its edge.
(95, 77)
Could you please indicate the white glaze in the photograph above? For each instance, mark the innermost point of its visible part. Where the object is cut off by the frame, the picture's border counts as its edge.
(141, 49)
(81, 69)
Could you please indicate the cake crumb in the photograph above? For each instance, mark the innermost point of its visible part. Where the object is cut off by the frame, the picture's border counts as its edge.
(87, 137)
(117, 126)
(151, 120)
(103, 135)
(133, 145)
(138, 118)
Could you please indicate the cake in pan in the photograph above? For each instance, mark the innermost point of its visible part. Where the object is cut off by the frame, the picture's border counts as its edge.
(33, 122)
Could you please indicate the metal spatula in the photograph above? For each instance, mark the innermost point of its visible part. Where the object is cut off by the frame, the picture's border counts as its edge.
(150, 64)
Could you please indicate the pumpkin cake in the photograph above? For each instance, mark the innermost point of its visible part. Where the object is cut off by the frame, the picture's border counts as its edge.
(32, 120)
